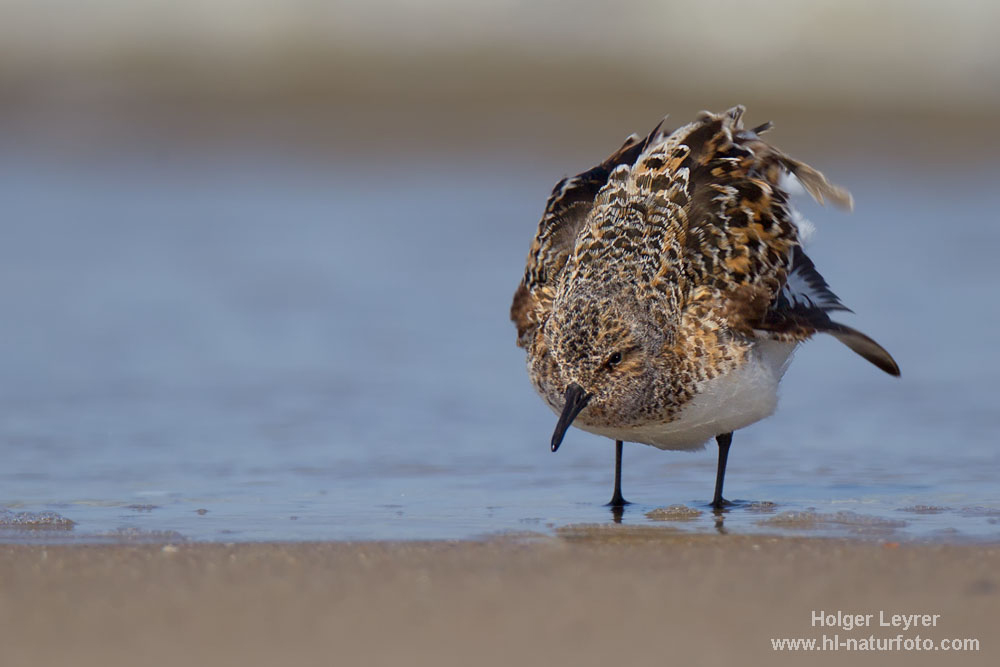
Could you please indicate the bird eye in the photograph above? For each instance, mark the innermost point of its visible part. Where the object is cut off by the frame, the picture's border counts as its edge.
(615, 359)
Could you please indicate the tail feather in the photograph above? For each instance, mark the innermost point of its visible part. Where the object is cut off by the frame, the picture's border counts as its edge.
(864, 346)
(817, 186)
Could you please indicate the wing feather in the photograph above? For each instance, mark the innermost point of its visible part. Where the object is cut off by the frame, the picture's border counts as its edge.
(567, 208)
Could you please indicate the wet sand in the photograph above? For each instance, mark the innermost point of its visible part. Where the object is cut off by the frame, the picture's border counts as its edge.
(601, 596)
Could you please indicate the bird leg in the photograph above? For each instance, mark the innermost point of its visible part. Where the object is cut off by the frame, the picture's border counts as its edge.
(724, 440)
(617, 500)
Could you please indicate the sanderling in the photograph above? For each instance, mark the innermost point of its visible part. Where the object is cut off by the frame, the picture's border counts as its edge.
(666, 289)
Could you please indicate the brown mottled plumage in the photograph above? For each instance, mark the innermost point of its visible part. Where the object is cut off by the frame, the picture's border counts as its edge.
(666, 288)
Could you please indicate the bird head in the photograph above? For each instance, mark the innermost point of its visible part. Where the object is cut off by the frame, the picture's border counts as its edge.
(604, 346)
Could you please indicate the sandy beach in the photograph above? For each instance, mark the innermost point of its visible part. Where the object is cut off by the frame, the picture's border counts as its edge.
(588, 597)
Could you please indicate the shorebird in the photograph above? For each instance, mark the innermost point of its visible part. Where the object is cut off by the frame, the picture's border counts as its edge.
(667, 287)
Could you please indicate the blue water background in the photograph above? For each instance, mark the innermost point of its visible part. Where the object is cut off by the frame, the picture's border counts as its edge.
(260, 347)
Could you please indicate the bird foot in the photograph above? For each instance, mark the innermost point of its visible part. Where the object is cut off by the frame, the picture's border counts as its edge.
(617, 499)
(720, 503)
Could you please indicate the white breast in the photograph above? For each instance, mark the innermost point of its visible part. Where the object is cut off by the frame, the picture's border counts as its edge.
(726, 403)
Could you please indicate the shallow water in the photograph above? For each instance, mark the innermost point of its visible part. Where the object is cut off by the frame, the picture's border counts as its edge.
(258, 348)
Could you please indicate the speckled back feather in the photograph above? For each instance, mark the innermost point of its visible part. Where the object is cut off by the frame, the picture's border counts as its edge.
(697, 220)
(567, 208)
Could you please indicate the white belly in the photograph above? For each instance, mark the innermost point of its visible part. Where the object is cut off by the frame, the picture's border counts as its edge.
(726, 403)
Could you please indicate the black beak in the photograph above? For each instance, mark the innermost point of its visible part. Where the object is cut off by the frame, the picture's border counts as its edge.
(576, 400)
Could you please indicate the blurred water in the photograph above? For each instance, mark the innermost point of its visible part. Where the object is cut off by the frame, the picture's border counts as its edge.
(259, 348)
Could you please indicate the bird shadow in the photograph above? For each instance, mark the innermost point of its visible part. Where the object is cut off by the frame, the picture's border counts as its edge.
(617, 510)
(718, 514)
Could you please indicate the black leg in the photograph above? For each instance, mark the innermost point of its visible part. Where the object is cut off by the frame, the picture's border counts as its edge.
(724, 440)
(617, 500)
